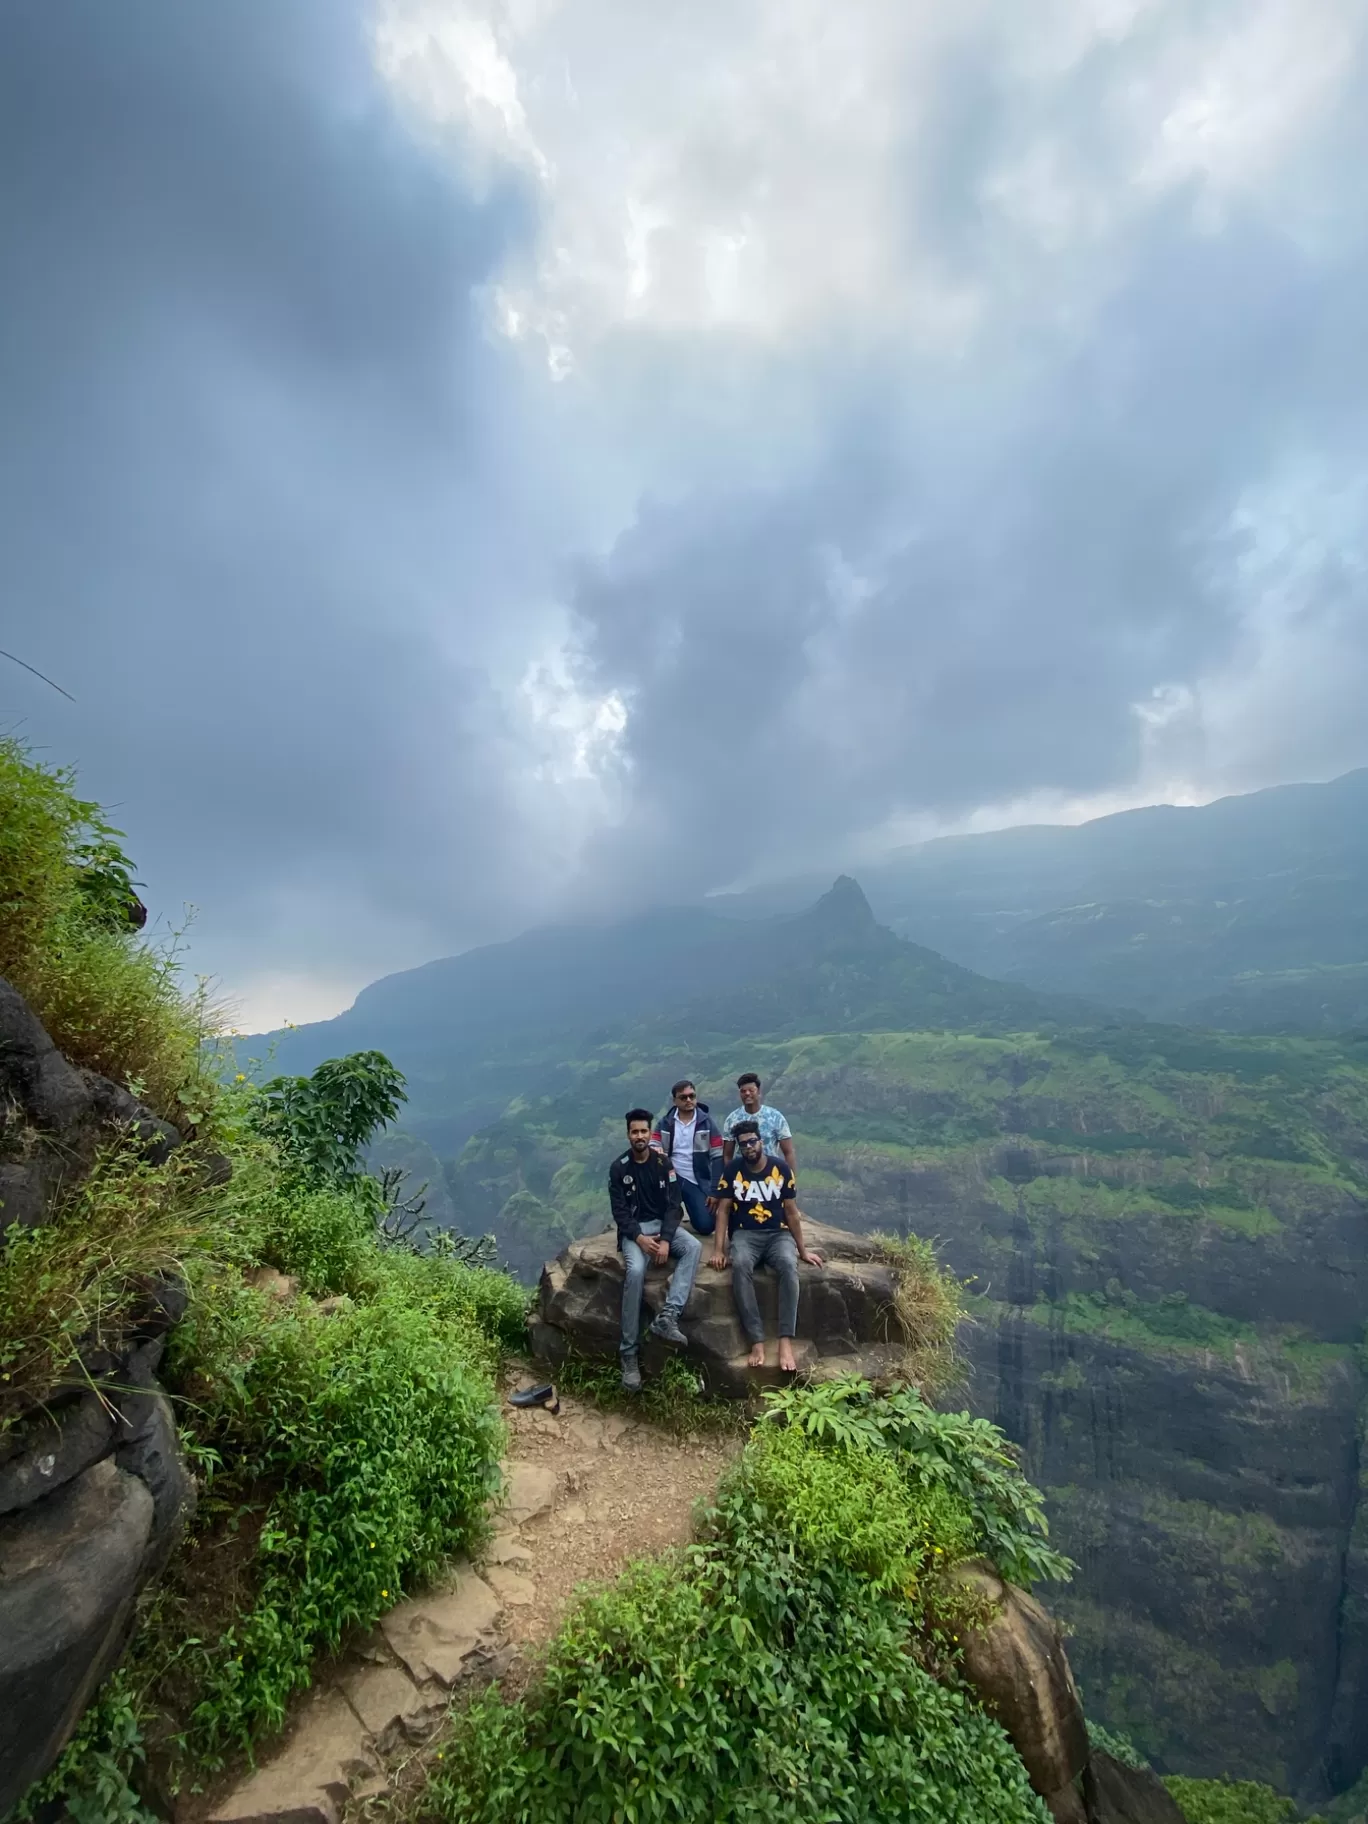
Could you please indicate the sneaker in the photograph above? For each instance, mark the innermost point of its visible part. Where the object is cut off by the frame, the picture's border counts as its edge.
(631, 1374)
(666, 1327)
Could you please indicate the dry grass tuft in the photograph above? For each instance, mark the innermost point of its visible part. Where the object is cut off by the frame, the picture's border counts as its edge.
(930, 1307)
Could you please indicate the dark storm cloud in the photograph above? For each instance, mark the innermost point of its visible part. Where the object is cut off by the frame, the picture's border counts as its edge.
(252, 466)
(968, 592)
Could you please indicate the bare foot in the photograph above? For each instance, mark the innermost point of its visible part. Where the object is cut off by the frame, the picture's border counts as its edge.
(787, 1365)
(756, 1358)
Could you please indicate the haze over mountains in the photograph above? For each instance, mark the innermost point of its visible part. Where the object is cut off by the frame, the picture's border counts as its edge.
(1250, 914)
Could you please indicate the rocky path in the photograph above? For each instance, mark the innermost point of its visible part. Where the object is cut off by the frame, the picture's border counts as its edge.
(587, 1490)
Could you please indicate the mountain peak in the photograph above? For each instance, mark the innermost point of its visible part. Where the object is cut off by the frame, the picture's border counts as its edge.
(843, 907)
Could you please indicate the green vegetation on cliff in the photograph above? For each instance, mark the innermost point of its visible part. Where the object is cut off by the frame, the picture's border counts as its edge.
(67, 941)
(797, 1663)
(333, 1389)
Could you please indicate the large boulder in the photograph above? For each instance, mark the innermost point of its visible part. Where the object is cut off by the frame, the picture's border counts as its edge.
(1117, 1794)
(1017, 1664)
(69, 1572)
(847, 1312)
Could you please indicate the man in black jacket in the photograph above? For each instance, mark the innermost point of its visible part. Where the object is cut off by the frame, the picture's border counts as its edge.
(644, 1194)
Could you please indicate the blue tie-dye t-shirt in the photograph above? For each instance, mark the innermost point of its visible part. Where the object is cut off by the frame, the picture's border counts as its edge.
(773, 1127)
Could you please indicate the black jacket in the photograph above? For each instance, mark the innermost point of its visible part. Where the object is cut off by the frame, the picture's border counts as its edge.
(623, 1174)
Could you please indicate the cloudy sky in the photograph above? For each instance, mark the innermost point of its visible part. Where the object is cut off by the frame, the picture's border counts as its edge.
(471, 460)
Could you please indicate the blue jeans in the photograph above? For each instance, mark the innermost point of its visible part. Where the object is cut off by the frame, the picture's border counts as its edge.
(701, 1219)
(687, 1250)
(773, 1248)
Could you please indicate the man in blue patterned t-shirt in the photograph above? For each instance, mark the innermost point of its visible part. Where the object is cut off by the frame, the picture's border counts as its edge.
(775, 1134)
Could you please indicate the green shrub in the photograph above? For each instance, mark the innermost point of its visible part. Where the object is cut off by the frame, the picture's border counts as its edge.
(793, 1665)
(941, 1454)
(379, 1443)
(93, 1778)
(850, 1505)
(320, 1123)
(1231, 1802)
(735, 1683)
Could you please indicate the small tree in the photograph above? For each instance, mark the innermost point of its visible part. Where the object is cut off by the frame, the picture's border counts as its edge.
(321, 1123)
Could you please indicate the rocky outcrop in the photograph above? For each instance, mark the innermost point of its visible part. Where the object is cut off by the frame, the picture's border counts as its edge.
(93, 1489)
(54, 1116)
(93, 1495)
(1017, 1664)
(1117, 1794)
(847, 1312)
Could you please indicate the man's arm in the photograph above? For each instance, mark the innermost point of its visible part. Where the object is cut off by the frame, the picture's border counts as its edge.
(793, 1218)
(658, 1133)
(718, 1257)
(786, 1148)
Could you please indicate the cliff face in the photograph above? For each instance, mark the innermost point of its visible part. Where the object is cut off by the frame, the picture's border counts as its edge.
(1185, 1385)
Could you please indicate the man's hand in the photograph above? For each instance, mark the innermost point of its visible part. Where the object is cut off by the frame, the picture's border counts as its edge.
(718, 1258)
(809, 1258)
(711, 1204)
(658, 1248)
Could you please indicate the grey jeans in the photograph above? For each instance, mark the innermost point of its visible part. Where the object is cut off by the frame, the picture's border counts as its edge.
(773, 1248)
(687, 1250)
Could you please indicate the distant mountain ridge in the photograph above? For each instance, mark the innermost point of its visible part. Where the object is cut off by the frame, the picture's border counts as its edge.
(1249, 913)
(474, 1031)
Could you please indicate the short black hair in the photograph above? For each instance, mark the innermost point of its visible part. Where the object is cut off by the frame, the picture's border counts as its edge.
(683, 1083)
(747, 1076)
(746, 1127)
(640, 1114)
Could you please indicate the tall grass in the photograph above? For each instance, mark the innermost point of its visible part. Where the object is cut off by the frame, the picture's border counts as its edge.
(69, 1288)
(109, 1001)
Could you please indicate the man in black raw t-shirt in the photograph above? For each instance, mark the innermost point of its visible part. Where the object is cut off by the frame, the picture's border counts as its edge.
(644, 1193)
(757, 1209)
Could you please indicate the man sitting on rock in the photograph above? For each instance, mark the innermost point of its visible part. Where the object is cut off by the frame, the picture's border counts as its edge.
(758, 1214)
(644, 1194)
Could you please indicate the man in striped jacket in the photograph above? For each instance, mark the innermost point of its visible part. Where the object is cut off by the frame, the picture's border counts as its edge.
(692, 1142)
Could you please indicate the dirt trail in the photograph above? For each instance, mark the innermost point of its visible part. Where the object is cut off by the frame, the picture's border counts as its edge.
(618, 1487)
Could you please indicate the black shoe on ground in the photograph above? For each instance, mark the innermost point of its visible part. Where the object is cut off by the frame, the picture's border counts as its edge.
(545, 1395)
(631, 1374)
(666, 1327)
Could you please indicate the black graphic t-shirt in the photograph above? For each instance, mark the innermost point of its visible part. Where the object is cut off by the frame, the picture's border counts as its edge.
(757, 1196)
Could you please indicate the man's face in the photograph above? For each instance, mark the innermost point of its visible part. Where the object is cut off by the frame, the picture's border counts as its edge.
(639, 1136)
(686, 1100)
(750, 1097)
(750, 1149)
